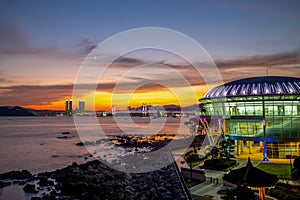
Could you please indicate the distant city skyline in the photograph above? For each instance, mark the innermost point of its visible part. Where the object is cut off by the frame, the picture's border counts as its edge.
(81, 105)
(44, 43)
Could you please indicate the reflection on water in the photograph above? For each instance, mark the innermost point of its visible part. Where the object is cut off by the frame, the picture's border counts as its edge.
(14, 192)
(36, 143)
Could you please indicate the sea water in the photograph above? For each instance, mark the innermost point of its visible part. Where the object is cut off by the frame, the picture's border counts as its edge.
(38, 145)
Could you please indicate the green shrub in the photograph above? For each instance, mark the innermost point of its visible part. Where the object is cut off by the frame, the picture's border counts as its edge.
(219, 163)
(295, 174)
(193, 158)
(279, 194)
(241, 192)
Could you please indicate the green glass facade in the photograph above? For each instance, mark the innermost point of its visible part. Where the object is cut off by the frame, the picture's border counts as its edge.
(243, 120)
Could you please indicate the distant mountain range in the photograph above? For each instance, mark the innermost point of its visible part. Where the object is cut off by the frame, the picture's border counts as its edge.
(20, 111)
(15, 111)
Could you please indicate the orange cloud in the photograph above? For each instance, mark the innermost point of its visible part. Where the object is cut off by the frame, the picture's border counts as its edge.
(43, 96)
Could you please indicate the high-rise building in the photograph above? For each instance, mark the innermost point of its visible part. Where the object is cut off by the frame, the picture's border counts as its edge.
(113, 110)
(70, 107)
(81, 106)
(67, 106)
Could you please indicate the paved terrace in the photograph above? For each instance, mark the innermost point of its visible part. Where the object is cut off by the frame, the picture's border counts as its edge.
(214, 181)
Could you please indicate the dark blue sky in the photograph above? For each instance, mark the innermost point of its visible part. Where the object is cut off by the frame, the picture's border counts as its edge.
(43, 42)
(225, 28)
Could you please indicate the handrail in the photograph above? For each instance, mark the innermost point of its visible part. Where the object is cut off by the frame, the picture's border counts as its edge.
(183, 185)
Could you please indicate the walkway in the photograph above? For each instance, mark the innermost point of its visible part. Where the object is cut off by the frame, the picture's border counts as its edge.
(214, 182)
(209, 189)
(206, 190)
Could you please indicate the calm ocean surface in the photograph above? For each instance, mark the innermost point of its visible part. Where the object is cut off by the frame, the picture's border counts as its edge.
(32, 143)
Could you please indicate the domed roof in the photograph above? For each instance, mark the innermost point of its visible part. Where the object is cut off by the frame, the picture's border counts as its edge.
(256, 86)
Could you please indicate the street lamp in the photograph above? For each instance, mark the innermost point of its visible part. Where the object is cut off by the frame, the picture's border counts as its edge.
(265, 153)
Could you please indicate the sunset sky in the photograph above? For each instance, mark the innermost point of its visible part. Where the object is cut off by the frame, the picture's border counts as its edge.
(43, 44)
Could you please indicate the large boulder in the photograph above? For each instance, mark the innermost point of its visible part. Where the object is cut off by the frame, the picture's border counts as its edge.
(29, 188)
(24, 174)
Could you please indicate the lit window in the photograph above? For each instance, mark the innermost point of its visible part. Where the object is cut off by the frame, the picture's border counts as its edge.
(226, 90)
(285, 87)
(297, 86)
(273, 89)
(254, 88)
(278, 88)
(219, 91)
(291, 88)
(266, 88)
(259, 89)
(243, 89)
(233, 90)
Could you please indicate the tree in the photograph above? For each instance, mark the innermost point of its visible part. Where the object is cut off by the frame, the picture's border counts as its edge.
(296, 163)
(295, 174)
(296, 169)
(226, 148)
(214, 152)
(223, 150)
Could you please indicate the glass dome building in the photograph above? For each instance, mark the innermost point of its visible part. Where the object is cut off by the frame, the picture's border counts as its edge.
(263, 111)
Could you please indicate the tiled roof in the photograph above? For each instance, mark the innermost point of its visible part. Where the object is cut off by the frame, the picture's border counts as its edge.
(251, 176)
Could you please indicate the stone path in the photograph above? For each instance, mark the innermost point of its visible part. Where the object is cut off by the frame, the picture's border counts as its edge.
(208, 190)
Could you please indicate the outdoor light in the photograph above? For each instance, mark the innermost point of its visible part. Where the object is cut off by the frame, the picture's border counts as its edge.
(201, 120)
(264, 122)
(220, 122)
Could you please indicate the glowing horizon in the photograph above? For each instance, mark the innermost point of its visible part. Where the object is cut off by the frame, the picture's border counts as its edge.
(41, 52)
(103, 100)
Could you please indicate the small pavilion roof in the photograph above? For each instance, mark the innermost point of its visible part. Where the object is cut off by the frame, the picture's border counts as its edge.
(251, 176)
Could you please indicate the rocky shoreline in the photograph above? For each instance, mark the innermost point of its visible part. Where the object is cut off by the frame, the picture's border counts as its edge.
(94, 180)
